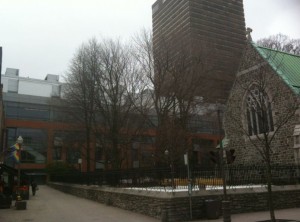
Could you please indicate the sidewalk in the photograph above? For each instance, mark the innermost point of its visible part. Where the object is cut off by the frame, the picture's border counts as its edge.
(50, 205)
(292, 214)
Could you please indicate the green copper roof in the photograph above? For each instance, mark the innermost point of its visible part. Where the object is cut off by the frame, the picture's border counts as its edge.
(284, 64)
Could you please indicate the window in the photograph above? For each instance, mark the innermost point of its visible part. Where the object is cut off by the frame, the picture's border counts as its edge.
(296, 136)
(67, 145)
(18, 110)
(259, 113)
(99, 153)
(56, 153)
(57, 148)
(73, 155)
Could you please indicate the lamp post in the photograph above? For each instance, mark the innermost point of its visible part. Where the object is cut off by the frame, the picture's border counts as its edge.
(20, 205)
(186, 162)
(225, 202)
(19, 142)
(79, 164)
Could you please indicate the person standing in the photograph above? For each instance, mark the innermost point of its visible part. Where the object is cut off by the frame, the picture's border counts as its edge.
(33, 187)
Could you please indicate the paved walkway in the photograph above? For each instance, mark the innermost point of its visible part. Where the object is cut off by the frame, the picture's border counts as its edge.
(50, 205)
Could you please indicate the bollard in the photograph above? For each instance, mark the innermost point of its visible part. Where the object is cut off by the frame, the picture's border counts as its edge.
(226, 211)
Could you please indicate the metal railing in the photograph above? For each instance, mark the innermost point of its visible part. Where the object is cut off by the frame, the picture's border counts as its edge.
(177, 178)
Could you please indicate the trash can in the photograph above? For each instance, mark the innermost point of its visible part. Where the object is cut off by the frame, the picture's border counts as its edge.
(213, 209)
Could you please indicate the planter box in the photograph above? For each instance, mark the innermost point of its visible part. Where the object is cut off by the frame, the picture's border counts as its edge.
(21, 205)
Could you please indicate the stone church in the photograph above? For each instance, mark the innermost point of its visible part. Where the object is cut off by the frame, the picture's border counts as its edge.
(262, 115)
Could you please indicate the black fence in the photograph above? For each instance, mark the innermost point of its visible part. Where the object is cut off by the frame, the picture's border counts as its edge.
(177, 178)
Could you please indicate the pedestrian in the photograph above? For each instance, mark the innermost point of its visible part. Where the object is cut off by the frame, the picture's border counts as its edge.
(33, 187)
(2, 185)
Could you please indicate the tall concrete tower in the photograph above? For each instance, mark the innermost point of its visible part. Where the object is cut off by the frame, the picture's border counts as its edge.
(218, 25)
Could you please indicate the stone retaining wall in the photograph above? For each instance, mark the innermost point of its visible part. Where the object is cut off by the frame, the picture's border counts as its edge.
(176, 204)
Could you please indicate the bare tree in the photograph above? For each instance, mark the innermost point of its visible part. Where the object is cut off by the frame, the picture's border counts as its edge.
(176, 76)
(281, 42)
(101, 87)
(117, 83)
(80, 90)
(259, 110)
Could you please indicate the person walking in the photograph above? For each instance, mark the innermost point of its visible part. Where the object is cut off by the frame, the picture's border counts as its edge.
(33, 187)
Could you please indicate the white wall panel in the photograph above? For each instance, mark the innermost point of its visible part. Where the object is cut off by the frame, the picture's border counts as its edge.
(35, 88)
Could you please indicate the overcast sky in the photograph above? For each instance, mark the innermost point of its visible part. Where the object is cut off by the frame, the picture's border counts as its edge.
(39, 37)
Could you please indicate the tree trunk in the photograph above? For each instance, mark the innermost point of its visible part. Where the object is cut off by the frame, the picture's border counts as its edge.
(270, 196)
(88, 165)
(269, 185)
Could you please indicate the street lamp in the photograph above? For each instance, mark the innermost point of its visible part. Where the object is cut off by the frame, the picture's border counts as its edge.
(19, 142)
(166, 152)
(79, 164)
(20, 205)
(225, 202)
(186, 162)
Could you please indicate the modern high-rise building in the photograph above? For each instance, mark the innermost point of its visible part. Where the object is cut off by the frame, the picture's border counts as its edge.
(213, 28)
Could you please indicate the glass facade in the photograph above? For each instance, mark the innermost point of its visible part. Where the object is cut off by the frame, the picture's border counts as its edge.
(34, 145)
(62, 114)
(17, 110)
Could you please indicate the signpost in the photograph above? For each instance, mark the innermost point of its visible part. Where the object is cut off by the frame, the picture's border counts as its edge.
(186, 162)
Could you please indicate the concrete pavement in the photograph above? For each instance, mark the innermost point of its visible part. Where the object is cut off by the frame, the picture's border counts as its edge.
(291, 214)
(51, 205)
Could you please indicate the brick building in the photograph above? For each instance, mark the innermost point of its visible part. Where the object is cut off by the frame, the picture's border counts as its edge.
(32, 110)
(29, 112)
(263, 107)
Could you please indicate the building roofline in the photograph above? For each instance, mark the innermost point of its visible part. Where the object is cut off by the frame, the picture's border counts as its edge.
(276, 69)
(274, 50)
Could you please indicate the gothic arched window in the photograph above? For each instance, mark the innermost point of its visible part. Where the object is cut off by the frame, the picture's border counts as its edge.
(259, 112)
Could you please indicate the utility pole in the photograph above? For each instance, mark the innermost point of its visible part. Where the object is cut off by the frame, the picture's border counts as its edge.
(20, 143)
(221, 155)
(186, 162)
(225, 202)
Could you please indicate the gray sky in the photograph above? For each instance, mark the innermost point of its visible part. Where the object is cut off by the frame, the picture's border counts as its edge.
(40, 36)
